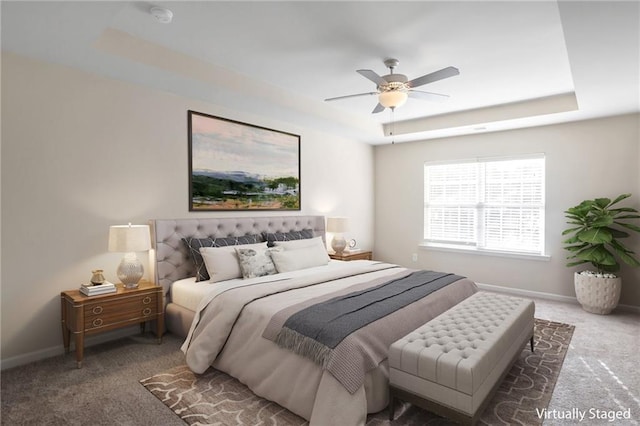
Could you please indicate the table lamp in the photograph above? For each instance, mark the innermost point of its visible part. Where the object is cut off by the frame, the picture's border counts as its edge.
(337, 226)
(129, 239)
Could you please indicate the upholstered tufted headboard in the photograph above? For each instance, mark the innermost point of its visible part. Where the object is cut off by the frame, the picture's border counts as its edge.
(172, 260)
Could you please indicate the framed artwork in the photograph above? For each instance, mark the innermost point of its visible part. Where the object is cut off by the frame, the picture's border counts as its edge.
(239, 166)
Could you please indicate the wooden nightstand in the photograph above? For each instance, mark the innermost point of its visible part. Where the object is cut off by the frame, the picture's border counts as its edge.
(358, 255)
(84, 315)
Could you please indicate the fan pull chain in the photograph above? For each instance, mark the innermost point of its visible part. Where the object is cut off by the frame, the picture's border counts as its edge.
(393, 126)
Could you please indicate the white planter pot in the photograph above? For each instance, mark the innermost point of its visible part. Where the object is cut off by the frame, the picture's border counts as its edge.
(597, 295)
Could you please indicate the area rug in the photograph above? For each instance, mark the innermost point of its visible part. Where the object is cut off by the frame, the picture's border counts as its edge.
(214, 398)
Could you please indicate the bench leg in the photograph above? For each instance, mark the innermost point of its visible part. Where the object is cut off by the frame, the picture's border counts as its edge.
(531, 343)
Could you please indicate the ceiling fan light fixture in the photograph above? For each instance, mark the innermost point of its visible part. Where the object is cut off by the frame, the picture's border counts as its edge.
(393, 89)
(392, 98)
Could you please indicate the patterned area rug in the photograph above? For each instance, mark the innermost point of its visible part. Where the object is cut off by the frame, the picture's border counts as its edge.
(215, 398)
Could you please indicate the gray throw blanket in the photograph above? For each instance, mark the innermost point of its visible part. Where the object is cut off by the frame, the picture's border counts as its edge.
(315, 331)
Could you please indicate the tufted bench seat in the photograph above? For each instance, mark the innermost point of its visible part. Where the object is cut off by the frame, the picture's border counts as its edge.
(454, 363)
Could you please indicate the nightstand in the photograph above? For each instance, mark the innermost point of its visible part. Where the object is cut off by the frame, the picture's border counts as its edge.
(85, 315)
(357, 255)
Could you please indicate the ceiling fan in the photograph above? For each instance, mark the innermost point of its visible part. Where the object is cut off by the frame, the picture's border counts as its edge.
(393, 89)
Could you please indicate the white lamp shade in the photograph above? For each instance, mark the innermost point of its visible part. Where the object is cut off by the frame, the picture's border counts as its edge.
(129, 238)
(392, 98)
(337, 224)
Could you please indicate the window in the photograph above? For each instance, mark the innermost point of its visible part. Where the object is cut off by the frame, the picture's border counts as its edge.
(486, 205)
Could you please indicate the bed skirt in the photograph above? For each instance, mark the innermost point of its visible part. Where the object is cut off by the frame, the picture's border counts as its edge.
(178, 319)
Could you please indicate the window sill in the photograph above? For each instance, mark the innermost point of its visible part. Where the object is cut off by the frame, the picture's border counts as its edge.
(494, 253)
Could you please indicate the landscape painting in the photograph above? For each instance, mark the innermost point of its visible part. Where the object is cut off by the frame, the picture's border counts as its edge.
(239, 166)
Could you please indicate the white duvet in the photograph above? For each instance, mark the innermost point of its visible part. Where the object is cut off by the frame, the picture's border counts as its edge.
(228, 336)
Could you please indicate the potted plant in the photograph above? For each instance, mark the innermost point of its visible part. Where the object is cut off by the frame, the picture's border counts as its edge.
(597, 228)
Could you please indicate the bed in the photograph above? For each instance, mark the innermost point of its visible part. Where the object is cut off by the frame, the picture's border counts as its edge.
(242, 326)
(173, 262)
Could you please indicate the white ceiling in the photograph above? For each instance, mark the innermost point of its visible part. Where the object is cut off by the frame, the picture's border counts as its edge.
(521, 63)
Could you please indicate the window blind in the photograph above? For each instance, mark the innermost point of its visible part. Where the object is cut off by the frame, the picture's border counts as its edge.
(487, 204)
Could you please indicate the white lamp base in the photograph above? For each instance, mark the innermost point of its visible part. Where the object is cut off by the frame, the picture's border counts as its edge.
(338, 243)
(130, 270)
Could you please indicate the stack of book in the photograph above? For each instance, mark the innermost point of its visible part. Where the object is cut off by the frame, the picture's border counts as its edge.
(94, 290)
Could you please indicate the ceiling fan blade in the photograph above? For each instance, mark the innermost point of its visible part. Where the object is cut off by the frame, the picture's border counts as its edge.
(429, 96)
(351, 96)
(434, 76)
(373, 76)
(377, 109)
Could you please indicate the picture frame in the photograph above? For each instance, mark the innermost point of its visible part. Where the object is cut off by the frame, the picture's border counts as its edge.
(240, 166)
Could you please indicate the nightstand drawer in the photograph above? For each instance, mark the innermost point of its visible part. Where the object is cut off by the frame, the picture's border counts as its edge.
(128, 302)
(127, 309)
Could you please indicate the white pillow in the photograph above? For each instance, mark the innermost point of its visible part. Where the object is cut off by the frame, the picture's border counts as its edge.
(301, 258)
(298, 244)
(222, 262)
(256, 261)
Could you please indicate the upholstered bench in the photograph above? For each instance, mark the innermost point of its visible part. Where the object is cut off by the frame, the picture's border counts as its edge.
(453, 364)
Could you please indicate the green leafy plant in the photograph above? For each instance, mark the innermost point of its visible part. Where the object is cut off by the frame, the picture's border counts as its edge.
(596, 238)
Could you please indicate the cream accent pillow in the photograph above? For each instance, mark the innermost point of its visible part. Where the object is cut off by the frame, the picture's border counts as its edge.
(293, 259)
(222, 262)
(298, 244)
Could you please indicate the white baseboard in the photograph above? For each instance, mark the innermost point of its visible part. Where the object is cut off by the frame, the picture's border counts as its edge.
(59, 349)
(548, 296)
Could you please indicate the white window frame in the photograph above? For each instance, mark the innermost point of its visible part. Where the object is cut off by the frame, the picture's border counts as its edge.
(476, 243)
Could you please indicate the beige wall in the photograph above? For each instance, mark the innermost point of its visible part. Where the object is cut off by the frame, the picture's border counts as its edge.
(81, 152)
(597, 158)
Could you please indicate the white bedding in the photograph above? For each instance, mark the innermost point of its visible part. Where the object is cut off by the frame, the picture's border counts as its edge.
(275, 373)
(188, 293)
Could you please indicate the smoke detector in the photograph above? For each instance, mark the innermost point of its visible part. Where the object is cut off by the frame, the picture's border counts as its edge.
(162, 15)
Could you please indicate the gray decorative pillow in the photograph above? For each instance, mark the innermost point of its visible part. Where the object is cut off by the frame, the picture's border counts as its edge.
(194, 245)
(222, 262)
(256, 262)
(270, 237)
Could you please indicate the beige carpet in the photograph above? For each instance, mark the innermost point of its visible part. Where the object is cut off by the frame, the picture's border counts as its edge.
(215, 398)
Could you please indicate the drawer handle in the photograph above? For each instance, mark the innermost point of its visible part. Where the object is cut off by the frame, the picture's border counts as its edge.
(97, 322)
(146, 300)
(97, 310)
(146, 311)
